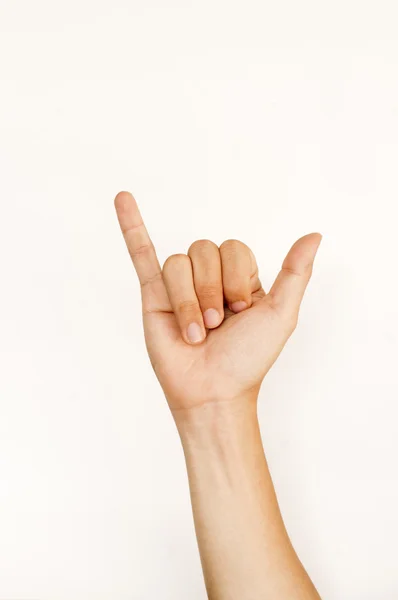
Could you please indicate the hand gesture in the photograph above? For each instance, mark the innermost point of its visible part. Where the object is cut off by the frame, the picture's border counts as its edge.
(211, 330)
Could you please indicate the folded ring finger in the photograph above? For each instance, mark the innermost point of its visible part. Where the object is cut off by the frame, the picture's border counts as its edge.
(178, 279)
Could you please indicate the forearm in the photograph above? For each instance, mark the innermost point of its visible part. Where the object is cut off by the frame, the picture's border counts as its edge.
(245, 551)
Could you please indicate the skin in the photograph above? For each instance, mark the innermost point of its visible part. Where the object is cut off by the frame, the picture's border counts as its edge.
(212, 333)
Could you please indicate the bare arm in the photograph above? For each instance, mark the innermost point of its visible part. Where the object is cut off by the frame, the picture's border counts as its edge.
(245, 551)
(212, 334)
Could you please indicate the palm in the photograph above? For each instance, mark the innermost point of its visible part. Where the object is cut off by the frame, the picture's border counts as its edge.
(232, 359)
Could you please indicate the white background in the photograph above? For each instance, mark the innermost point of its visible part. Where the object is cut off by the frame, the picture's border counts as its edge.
(258, 120)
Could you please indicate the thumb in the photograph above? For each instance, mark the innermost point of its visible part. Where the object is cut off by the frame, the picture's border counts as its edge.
(288, 289)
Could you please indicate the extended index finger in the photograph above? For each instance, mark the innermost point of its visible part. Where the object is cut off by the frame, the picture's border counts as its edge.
(138, 242)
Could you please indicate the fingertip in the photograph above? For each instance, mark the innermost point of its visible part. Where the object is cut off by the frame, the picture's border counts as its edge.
(212, 318)
(123, 200)
(238, 306)
(317, 237)
(195, 334)
(304, 250)
(314, 237)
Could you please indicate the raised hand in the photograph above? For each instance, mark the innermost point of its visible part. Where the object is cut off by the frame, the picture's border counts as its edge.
(211, 330)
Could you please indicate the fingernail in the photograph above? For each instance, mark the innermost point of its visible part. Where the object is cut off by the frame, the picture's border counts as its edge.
(238, 306)
(194, 333)
(211, 317)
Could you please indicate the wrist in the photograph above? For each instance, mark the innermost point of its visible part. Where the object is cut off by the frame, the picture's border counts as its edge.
(222, 444)
(216, 421)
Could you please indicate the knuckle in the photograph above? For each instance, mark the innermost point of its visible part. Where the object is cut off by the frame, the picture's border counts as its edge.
(156, 277)
(202, 246)
(188, 307)
(139, 250)
(236, 283)
(234, 288)
(174, 260)
(208, 291)
(231, 246)
(287, 315)
(288, 270)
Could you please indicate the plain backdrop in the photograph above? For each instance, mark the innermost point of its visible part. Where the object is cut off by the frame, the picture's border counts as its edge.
(256, 120)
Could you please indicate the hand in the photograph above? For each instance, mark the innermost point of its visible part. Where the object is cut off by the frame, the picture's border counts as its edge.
(211, 331)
